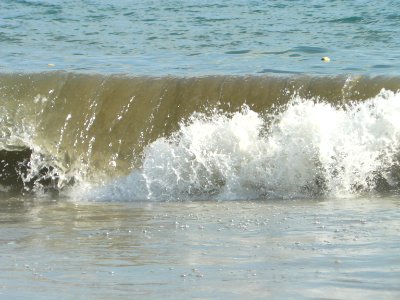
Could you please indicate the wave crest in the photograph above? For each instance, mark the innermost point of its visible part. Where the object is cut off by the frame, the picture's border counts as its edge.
(306, 148)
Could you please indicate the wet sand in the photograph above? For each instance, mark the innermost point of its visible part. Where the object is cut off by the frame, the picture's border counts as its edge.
(302, 249)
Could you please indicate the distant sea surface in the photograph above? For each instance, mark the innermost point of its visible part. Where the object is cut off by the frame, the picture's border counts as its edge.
(201, 37)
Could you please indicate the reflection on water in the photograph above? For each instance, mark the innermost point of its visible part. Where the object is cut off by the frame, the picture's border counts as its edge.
(303, 249)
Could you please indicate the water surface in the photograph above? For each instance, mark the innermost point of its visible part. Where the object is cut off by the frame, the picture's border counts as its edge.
(130, 130)
(201, 37)
(336, 249)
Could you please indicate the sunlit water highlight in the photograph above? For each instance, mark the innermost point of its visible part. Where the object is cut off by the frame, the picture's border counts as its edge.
(285, 249)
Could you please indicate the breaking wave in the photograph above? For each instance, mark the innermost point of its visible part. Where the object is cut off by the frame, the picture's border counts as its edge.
(120, 138)
(303, 149)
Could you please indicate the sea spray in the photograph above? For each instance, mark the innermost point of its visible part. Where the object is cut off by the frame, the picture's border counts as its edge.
(306, 148)
(214, 137)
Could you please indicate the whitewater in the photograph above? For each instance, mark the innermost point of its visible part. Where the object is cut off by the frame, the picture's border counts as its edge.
(108, 138)
(306, 148)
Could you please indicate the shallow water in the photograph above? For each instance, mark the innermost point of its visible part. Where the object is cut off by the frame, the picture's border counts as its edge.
(319, 249)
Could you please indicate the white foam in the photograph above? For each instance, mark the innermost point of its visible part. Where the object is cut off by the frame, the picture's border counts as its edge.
(308, 148)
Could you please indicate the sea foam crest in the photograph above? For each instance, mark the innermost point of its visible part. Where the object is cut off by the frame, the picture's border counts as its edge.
(305, 149)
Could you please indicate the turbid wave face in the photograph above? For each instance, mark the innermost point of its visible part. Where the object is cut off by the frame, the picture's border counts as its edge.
(214, 137)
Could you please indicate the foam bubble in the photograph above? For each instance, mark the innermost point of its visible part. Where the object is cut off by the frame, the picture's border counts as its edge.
(305, 149)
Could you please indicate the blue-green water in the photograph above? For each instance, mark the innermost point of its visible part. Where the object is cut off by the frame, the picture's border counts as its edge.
(201, 37)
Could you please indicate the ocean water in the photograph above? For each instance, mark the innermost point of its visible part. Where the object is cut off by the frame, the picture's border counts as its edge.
(201, 37)
(200, 149)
